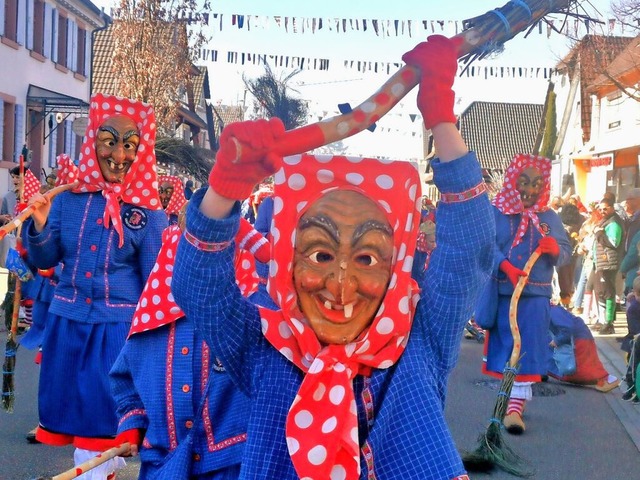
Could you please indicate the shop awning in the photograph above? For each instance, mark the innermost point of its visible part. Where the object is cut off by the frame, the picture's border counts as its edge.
(50, 101)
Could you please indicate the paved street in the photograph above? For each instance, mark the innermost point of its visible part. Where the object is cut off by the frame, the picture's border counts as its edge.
(572, 432)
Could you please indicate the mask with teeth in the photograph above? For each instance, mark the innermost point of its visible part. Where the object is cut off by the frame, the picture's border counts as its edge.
(116, 146)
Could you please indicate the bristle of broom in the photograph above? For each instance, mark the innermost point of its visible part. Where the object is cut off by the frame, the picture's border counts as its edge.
(492, 451)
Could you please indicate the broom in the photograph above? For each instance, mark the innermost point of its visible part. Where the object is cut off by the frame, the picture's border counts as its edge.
(11, 347)
(492, 450)
(90, 464)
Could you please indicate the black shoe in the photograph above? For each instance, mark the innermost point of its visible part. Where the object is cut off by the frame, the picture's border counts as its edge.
(607, 329)
(31, 436)
(630, 394)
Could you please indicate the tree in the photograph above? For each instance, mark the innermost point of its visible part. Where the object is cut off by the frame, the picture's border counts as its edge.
(155, 45)
(272, 95)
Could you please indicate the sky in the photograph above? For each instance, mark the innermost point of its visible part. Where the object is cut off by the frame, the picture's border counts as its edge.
(397, 136)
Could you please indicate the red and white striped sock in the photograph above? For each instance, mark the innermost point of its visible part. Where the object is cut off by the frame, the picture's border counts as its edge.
(516, 405)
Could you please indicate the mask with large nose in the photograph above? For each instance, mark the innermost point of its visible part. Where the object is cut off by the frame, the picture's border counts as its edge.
(116, 146)
(342, 264)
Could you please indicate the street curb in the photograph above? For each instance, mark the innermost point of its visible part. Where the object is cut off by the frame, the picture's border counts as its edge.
(613, 360)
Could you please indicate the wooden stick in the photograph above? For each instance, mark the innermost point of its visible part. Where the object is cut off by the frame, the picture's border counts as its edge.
(491, 29)
(513, 308)
(91, 463)
(27, 212)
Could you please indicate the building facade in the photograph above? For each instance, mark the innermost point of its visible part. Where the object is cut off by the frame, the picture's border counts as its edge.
(45, 50)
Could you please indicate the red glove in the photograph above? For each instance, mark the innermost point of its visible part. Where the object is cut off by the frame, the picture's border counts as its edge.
(251, 142)
(512, 273)
(549, 245)
(437, 59)
(133, 436)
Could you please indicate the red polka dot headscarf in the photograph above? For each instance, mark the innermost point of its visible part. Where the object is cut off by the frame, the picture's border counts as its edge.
(177, 200)
(508, 200)
(67, 170)
(140, 186)
(322, 428)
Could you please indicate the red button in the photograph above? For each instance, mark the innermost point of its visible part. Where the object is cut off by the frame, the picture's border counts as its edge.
(196, 457)
(184, 350)
(99, 221)
(188, 424)
(185, 388)
(93, 248)
(87, 300)
(87, 274)
(519, 257)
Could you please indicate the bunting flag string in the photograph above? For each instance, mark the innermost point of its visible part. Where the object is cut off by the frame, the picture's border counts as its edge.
(363, 66)
(575, 27)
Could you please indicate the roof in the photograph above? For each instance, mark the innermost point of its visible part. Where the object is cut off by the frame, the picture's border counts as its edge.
(593, 54)
(625, 68)
(103, 79)
(497, 131)
(226, 114)
(197, 82)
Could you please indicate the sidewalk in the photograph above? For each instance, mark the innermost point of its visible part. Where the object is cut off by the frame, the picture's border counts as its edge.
(613, 359)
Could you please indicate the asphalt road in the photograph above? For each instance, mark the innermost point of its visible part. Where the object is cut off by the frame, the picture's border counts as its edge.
(572, 432)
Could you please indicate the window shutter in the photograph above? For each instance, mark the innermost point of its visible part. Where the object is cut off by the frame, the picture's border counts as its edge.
(18, 132)
(29, 43)
(2, 7)
(87, 55)
(68, 137)
(2, 123)
(54, 35)
(22, 22)
(53, 140)
(48, 29)
(71, 45)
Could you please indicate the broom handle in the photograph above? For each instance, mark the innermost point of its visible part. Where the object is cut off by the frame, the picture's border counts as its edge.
(513, 308)
(492, 28)
(27, 212)
(93, 462)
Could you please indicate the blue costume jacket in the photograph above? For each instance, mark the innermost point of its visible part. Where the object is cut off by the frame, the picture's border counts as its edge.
(157, 382)
(402, 428)
(100, 282)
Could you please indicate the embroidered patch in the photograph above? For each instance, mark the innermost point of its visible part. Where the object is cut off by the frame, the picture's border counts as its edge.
(135, 218)
(545, 228)
(217, 365)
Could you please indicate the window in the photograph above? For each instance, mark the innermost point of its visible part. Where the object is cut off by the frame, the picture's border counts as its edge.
(8, 130)
(62, 40)
(11, 19)
(60, 138)
(81, 45)
(38, 27)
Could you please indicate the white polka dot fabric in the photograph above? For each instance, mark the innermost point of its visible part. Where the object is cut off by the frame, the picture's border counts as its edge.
(140, 186)
(31, 187)
(508, 200)
(322, 433)
(67, 170)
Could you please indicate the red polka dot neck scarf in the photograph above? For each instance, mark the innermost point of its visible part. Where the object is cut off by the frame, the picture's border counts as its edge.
(322, 428)
(508, 200)
(140, 186)
(177, 200)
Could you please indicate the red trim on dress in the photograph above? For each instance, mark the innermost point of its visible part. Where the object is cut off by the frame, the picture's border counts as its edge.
(171, 419)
